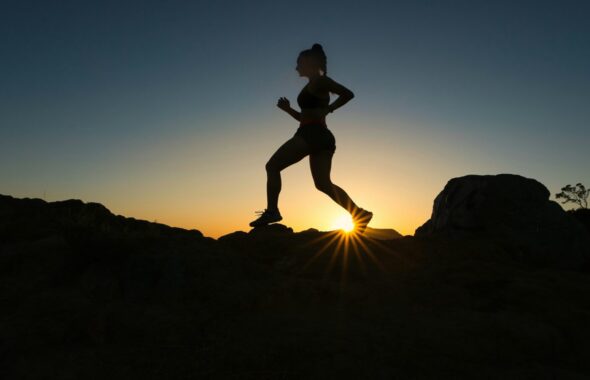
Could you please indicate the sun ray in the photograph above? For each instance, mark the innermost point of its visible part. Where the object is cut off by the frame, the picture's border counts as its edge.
(331, 237)
(358, 254)
(348, 249)
(343, 274)
(369, 252)
(334, 255)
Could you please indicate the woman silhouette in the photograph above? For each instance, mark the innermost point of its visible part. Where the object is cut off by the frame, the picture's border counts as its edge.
(312, 138)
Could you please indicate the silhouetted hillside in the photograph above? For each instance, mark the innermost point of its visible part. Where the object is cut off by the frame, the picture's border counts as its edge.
(88, 294)
(382, 233)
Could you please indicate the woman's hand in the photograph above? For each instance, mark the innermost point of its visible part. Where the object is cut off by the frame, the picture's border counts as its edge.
(284, 104)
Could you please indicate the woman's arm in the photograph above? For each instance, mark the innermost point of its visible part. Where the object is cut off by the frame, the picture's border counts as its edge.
(344, 94)
(283, 103)
(296, 115)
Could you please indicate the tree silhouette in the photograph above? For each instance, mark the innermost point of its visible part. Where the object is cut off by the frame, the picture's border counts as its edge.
(575, 194)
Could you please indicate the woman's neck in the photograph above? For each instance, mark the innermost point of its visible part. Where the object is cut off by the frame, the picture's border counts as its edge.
(314, 78)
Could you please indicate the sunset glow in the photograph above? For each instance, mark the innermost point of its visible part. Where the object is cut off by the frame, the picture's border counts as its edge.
(344, 223)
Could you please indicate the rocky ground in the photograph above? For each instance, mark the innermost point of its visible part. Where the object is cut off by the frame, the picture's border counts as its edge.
(88, 294)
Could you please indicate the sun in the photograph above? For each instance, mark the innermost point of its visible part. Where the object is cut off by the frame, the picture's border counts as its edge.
(344, 223)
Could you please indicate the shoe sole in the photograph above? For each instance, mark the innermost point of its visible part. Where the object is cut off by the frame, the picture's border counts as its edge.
(253, 224)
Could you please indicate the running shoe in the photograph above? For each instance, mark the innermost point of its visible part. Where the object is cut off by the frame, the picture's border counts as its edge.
(266, 216)
(361, 219)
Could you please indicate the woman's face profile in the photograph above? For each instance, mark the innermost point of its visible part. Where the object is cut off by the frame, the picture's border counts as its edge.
(306, 66)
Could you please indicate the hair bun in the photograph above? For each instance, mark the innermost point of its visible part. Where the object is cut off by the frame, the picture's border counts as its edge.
(317, 46)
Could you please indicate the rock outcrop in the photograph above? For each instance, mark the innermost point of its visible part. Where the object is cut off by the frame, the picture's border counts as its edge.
(511, 210)
(88, 294)
(583, 216)
(382, 233)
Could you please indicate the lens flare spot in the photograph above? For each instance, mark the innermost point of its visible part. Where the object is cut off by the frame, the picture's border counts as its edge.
(344, 223)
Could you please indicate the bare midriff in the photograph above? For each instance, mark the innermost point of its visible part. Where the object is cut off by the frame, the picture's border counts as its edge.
(312, 116)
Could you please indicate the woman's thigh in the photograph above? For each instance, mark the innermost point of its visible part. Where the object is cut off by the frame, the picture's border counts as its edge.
(320, 164)
(292, 151)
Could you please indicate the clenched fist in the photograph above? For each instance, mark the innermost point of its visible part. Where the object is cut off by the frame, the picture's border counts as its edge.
(284, 104)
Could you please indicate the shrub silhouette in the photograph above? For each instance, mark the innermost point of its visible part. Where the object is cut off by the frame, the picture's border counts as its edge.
(576, 194)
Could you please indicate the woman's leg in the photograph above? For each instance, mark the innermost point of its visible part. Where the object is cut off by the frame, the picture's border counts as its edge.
(292, 151)
(321, 164)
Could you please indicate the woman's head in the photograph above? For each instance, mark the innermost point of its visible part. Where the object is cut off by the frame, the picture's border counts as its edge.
(311, 61)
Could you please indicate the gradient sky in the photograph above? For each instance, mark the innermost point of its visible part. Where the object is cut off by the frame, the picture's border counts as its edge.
(166, 111)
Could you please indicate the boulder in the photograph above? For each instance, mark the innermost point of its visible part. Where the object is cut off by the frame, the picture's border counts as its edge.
(510, 209)
(583, 216)
(271, 230)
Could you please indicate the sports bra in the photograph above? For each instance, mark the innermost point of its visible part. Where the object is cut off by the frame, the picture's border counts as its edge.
(308, 100)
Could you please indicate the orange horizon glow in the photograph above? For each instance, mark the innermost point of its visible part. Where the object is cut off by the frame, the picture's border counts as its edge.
(202, 182)
(341, 221)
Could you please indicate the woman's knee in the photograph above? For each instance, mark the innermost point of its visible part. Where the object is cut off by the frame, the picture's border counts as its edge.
(272, 167)
(324, 186)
